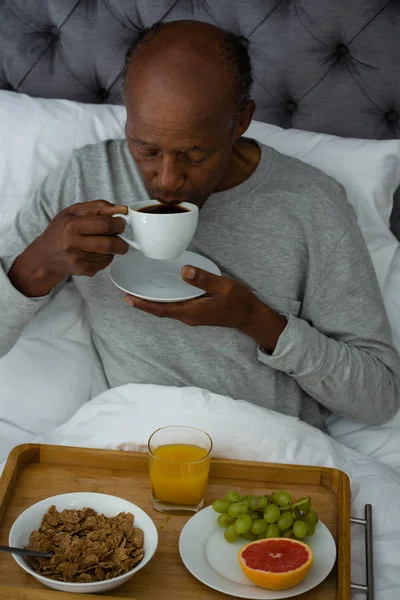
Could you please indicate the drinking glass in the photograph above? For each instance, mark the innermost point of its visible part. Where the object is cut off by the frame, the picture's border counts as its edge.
(179, 463)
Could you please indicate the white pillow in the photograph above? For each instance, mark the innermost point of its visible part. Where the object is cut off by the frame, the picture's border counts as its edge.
(391, 295)
(46, 376)
(38, 134)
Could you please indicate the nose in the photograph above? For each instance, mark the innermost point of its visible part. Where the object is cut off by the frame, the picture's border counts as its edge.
(170, 176)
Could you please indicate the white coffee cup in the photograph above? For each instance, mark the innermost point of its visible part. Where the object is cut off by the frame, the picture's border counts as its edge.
(157, 235)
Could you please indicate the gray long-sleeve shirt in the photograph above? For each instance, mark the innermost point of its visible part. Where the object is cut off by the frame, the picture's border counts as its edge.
(289, 234)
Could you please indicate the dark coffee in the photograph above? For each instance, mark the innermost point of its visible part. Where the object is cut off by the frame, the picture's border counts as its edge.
(163, 209)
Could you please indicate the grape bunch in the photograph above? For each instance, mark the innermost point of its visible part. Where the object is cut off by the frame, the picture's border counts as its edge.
(258, 517)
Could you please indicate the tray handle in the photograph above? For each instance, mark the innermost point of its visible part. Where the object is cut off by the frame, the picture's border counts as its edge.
(369, 588)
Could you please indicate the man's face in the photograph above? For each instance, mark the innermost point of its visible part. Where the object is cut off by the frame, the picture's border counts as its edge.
(181, 142)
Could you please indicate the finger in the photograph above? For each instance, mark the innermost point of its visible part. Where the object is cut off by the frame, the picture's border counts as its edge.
(87, 257)
(210, 283)
(96, 224)
(158, 309)
(96, 207)
(189, 312)
(89, 268)
(101, 244)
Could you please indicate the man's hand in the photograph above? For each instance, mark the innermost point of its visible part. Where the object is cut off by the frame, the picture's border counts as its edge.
(80, 240)
(228, 303)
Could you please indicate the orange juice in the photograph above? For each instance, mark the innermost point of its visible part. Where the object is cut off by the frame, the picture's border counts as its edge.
(179, 473)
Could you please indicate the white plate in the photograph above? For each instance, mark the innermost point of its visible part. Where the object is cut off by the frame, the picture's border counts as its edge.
(213, 561)
(158, 280)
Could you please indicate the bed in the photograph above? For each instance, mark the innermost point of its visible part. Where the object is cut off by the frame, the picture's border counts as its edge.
(327, 88)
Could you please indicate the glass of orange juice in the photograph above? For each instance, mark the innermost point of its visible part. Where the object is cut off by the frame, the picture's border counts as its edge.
(179, 463)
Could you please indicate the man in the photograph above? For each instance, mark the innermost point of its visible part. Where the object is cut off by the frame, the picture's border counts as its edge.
(296, 323)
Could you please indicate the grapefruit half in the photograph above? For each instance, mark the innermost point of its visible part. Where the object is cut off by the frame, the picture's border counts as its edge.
(276, 563)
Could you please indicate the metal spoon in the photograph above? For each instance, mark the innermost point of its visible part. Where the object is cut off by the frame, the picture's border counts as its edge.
(24, 552)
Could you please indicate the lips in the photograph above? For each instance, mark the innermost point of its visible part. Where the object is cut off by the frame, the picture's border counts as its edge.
(169, 200)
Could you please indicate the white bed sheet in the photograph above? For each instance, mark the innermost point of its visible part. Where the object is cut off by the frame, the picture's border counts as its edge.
(125, 417)
(46, 377)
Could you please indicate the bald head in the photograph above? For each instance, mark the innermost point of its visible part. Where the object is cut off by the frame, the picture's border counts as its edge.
(193, 54)
(186, 92)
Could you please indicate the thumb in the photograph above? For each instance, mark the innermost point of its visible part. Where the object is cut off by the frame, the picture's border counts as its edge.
(210, 283)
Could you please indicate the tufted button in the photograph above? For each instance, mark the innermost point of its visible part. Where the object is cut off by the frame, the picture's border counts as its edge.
(102, 95)
(291, 106)
(392, 116)
(54, 31)
(342, 50)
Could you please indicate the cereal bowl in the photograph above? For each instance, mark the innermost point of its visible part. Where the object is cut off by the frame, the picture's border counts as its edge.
(110, 506)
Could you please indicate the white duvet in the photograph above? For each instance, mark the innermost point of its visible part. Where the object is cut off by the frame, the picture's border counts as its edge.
(125, 417)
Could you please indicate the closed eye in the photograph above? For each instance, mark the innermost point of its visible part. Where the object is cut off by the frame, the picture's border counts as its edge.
(147, 153)
(196, 162)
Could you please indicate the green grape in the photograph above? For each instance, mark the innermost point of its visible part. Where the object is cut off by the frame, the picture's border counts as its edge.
(232, 496)
(272, 531)
(285, 521)
(297, 514)
(221, 506)
(310, 530)
(288, 533)
(299, 529)
(304, 504)
(237, 509)
(224, 520)
(311, 518)
(249, 536)
(254, 515)
(247, 500)
(230, 534)
(258, 503)
(282, 498)
(243, 524)
(259, 526)
(272, 513)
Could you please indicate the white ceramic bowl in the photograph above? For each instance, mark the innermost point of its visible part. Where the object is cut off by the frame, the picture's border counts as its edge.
(110, 506)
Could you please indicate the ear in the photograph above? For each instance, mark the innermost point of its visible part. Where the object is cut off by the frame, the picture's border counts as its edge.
(243, 120)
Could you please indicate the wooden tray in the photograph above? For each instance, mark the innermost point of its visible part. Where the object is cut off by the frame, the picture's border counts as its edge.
(34, 472)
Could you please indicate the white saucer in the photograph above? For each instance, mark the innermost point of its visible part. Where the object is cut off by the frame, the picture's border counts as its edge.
(158, 280)
(213, 561)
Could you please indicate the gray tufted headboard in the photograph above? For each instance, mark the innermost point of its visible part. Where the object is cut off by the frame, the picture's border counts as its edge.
(324, 65)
